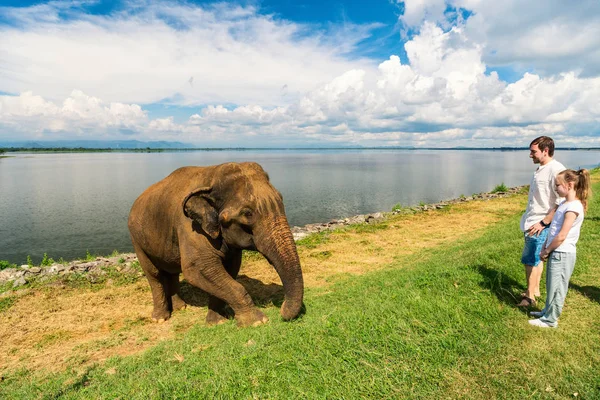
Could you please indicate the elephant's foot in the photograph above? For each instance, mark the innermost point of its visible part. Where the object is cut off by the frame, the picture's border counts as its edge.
(178, 303)
(160, 316)
(251, 318)
(214, 318)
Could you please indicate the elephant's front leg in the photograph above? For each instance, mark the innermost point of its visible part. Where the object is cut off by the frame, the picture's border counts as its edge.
(216, 277)
(217, 308)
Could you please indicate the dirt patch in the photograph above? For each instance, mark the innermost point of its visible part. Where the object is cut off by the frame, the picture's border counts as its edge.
(57, 328)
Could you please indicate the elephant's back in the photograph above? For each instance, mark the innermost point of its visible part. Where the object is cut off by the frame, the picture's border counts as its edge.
(178, 183)
(158, 208)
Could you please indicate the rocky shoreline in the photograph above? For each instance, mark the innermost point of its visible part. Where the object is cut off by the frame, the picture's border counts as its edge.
(126, 263)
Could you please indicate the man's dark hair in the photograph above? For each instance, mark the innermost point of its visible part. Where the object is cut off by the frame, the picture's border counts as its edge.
(544, 142)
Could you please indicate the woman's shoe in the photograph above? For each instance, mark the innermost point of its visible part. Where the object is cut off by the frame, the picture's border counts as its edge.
(536, 314)
(541, 324)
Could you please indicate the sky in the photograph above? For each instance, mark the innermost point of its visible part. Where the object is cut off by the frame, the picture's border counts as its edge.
(422, 73)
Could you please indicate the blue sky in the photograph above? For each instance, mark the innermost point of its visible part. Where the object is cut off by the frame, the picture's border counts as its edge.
(291, 73)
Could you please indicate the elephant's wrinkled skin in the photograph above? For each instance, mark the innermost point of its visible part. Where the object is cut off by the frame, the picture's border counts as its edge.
(197, 221)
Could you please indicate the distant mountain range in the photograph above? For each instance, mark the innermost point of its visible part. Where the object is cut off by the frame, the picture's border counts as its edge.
(136, 144)
(95, 144)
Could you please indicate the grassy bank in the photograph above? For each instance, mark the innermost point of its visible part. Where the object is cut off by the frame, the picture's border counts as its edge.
(419, 306)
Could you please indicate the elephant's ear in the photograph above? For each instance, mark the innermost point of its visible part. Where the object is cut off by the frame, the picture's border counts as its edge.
(200, 207)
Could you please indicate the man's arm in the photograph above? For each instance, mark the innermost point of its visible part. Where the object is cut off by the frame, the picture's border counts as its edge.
(537, 228)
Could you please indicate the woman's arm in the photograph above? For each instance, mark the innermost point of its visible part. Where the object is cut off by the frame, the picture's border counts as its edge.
(570, 217)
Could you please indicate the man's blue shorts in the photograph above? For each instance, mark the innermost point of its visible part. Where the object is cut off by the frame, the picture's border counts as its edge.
(533, 248)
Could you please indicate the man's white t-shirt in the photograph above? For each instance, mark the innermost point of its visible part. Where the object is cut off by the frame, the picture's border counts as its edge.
(542, 194)
(568, 246)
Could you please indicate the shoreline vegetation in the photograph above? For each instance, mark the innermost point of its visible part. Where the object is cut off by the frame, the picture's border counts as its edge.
(420, 304)
(6, 150)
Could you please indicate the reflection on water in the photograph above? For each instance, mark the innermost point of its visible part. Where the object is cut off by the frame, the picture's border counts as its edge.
(67, 204)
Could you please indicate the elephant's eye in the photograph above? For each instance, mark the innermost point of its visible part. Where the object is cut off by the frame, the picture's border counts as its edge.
(247, 213)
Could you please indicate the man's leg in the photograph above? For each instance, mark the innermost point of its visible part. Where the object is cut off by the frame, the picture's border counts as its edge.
(528, 260)
(528, 272)
(532, 277)
(536, 278)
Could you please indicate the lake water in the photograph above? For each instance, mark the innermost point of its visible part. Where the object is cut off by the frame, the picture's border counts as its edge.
(67, 204)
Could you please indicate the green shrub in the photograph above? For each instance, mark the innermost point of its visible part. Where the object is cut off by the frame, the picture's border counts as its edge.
(397, 207)
(500, 188)
(89, 256)
(5, 264)
(47, 261)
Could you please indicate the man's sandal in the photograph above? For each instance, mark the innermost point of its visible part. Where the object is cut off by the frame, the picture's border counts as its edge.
(526, 302)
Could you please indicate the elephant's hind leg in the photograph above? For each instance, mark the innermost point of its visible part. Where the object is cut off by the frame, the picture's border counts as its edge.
(159, 285)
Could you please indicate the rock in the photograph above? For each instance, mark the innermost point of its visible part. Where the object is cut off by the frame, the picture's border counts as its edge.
(19, 282)
(7, 274)
(34, 270)
(56, 268)
(18, 274)
(300, 235)
(372, 218)
(81, 267)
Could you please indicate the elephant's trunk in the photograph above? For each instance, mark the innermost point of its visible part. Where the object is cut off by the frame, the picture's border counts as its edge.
(276, 243)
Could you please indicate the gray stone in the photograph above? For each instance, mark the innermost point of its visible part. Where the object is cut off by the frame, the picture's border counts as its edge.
(7, 274)
(300, 235)
(19, 282)
(56, 268)
(34, 270)
(82, 267)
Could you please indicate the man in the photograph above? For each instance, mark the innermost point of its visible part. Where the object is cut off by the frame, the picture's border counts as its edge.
(543, 200)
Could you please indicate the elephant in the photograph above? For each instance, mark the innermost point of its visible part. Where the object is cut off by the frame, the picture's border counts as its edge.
(197, 221)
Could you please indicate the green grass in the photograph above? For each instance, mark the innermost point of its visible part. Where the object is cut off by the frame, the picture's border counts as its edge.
(438, 324)
(6, 303)
(313, 240)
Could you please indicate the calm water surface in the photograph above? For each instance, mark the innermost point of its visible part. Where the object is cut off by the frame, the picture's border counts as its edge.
(67, 204)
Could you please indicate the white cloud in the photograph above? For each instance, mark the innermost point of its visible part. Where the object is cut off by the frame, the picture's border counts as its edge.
(444, 97)
(79, 114)
(418, 11)
(549, 37)
(150, 51)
